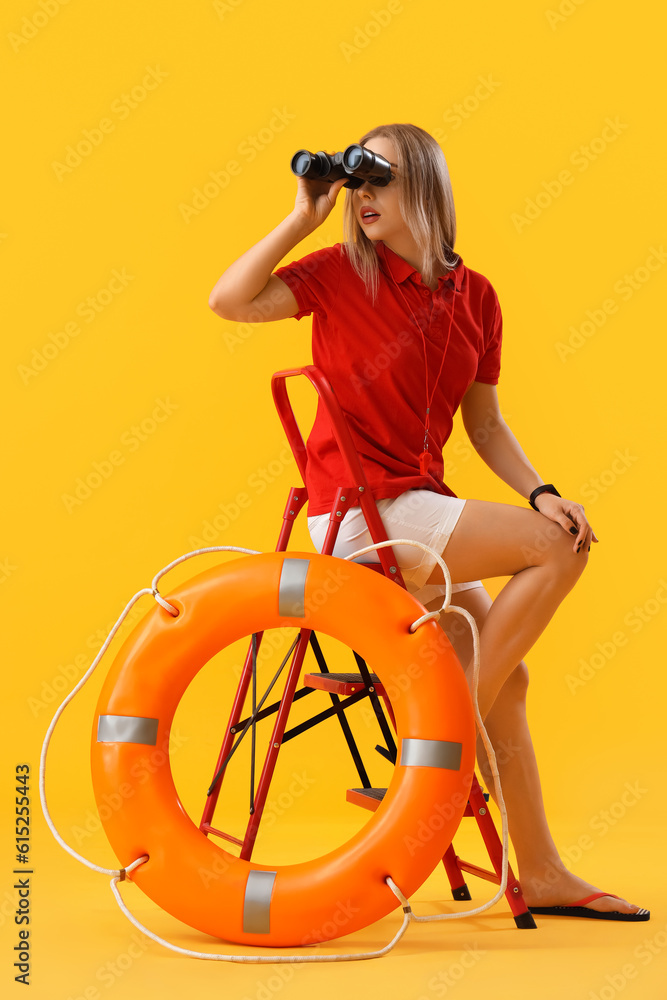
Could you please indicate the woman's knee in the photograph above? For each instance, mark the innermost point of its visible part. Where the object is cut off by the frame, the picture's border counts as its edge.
(553, 547)
(568, 563)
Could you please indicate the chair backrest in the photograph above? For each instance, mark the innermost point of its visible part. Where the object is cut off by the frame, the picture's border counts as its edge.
(357, 484)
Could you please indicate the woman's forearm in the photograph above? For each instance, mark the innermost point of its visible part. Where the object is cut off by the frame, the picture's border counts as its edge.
(248, 275)
(503, 454)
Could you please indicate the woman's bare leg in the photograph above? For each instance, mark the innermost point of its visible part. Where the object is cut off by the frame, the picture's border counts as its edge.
(493, 539)
(545, 880)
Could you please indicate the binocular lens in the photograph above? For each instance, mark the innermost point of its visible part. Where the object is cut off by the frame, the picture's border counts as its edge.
(318, 166)
(301, 162)
(312, 165)
(353, 157)
(369, 166)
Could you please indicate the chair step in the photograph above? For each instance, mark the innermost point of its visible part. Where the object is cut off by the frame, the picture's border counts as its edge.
(341, 683)
(370, 798)
(367, 798)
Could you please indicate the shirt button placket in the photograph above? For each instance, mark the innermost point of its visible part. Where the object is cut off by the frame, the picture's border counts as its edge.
(438, 316)
(429, 302)
(433, 315)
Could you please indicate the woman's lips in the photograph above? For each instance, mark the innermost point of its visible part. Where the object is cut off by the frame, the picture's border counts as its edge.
(367, 218)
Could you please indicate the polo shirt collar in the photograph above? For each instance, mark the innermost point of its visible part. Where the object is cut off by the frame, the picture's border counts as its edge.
(400, 269)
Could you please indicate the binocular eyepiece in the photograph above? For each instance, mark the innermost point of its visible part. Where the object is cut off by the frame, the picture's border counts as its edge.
(356, 163)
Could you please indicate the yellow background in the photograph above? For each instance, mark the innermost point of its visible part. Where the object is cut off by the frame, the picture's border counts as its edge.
(590, 418)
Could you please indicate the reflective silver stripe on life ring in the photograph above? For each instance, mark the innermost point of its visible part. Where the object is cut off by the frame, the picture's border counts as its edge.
(292, 589)
(431, 753)
(127, 729)
(257, 902)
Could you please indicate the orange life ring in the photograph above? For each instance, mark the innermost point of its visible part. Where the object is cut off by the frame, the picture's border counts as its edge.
(344, 890)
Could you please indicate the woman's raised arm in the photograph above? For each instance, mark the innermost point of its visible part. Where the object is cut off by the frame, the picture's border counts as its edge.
(247, 291)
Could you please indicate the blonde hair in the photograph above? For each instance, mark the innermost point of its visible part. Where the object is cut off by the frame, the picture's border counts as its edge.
(426, 203)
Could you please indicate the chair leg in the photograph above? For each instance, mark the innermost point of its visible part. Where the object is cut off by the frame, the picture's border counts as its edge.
(456, 881)
(522, 916)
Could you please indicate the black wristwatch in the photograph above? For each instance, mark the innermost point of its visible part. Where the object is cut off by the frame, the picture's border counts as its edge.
(549, 488)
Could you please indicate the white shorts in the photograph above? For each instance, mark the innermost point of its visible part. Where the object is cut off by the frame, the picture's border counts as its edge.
(418, 514)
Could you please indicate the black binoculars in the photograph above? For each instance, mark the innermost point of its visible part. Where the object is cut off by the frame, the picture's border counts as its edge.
(356, 163)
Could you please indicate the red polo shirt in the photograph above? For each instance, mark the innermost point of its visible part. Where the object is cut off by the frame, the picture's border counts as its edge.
(374, 358)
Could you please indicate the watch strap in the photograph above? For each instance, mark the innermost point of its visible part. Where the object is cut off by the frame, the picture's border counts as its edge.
(548, 488)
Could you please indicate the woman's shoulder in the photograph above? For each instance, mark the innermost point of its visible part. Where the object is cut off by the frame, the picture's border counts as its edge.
(480, 286)
(314, 279)
(324, 252)
(479, 279)
(321, 259)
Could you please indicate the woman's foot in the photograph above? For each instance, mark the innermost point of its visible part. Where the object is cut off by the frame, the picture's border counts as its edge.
(556, 886)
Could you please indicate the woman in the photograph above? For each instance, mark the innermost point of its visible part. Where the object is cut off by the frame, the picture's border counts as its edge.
(406, 333)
